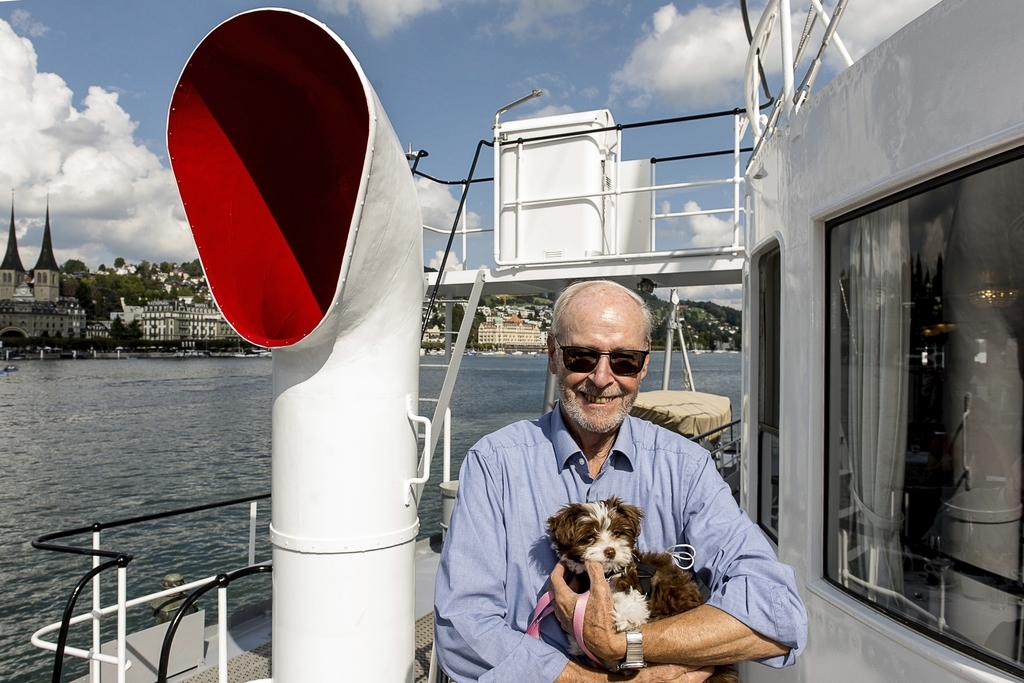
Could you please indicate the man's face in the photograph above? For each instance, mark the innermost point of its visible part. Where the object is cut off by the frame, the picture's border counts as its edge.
(605, 320)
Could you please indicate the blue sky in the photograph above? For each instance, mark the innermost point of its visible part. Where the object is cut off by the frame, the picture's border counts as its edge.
(86, 85)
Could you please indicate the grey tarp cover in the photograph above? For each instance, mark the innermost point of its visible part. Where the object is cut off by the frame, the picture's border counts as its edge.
(687, 412)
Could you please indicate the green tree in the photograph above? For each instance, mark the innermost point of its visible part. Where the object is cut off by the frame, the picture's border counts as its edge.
(133, 330)
(73, 266)
(119, 262)
(118, 330)
(84, 295)
(193, 268)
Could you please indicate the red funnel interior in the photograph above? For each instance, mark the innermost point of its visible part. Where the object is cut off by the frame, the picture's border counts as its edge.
(267, 136)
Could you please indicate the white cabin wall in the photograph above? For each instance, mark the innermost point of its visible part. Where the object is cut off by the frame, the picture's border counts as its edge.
(940, 94)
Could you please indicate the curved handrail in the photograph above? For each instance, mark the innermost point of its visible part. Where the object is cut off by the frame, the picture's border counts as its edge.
(69, 610)
(41, 542)
(221, 581)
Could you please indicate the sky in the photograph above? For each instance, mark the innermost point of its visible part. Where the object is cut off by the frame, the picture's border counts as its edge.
(85, 88)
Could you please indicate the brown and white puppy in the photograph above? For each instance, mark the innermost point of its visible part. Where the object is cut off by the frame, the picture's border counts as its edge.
(646, 586)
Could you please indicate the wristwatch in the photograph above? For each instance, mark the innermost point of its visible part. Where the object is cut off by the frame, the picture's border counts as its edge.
(634, 651)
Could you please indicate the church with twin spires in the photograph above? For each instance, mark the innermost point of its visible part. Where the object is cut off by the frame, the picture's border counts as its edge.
(30, 300)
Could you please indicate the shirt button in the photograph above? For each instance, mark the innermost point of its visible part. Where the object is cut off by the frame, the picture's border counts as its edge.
(582, 461)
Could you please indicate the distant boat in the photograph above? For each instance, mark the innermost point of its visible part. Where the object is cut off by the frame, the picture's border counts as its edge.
(10, 368)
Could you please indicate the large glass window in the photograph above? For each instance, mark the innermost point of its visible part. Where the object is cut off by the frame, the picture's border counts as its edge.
(925, 405)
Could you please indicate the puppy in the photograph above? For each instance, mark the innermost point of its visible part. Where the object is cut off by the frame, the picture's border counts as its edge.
(646, 586)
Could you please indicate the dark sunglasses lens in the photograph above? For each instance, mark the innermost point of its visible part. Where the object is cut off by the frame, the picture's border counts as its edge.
(626, 362)
(579, 360)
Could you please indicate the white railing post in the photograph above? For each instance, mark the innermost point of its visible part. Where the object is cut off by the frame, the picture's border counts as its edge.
(737, 179)
(654, 203)
(252, 533)
(446, 462)
(94, 666)
(222, 633)
(122, 622)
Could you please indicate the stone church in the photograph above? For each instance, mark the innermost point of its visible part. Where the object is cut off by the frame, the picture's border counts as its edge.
(30, 300)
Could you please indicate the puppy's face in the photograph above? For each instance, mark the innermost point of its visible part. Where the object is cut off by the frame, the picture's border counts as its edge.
(604, 531)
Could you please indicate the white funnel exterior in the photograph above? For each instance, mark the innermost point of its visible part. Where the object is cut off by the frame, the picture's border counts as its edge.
(344, 447)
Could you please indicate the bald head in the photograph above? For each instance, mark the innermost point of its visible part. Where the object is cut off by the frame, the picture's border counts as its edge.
(603, 293)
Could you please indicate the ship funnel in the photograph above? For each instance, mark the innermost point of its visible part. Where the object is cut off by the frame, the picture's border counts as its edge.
(306, 219)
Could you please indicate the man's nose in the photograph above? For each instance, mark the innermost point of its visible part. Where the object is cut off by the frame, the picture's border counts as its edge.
(602, 374)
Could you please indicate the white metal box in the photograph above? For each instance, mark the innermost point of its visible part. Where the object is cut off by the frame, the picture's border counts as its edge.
(557, 197)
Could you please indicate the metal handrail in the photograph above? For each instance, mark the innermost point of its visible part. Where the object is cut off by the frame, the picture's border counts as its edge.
(121, 560)
(222, 581)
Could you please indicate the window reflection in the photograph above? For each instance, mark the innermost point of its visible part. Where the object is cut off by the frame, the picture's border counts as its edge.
(925, 407)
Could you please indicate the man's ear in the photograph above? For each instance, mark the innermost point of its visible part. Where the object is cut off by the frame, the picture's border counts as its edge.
(552, 350)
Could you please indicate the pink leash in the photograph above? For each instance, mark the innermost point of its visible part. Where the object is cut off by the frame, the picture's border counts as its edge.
(545, 607)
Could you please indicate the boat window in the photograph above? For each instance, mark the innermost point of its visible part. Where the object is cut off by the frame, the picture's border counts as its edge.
(769, 294)
(925, 400)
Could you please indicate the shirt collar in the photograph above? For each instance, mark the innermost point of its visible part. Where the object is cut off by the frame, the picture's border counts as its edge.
(565, 446)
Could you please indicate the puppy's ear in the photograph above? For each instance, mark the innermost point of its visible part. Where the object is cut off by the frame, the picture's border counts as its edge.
(562, 527)
(634, 516)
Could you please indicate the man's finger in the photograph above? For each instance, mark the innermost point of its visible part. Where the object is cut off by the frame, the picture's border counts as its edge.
(598, 584)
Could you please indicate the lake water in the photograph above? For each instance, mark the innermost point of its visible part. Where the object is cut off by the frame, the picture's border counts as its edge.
(93, 440)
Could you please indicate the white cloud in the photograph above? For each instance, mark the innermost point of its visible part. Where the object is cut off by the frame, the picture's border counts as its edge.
(694, 59)
(23, 21)
(697, 59)
(451, 264)
(382, 16)
(109, 196)
(438, 205)
(545, 18)
(723, 295)
(550, 110)
(707, 231)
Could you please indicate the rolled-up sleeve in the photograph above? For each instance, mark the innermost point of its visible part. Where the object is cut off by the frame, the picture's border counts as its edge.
(473, 636)
(737, 563)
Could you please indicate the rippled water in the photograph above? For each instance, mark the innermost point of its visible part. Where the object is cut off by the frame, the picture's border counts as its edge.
(91, 440)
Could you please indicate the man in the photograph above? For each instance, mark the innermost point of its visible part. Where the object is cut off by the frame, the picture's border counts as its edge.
(497, 560)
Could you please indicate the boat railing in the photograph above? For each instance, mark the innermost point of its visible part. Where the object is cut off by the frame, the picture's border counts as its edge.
(723, 443)
(613, 190)
(121, 560)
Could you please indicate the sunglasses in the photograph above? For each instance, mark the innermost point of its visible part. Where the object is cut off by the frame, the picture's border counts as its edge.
(625, 363)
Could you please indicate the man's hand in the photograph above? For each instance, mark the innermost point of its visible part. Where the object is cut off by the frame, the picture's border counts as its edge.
(598, 628)
(672, 673)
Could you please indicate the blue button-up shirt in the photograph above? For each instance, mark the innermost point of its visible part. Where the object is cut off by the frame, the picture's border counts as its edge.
(497, 557)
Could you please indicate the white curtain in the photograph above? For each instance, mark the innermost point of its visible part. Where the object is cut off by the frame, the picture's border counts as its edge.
(878, 347)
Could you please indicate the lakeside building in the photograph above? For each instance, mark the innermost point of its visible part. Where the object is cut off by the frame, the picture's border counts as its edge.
(511, 332)
(31, 304)
(181, 320)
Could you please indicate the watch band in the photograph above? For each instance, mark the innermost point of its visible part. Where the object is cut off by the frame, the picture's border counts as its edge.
(634, 651)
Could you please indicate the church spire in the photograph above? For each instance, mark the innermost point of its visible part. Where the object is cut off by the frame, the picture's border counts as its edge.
(46, 259)
(11, 259)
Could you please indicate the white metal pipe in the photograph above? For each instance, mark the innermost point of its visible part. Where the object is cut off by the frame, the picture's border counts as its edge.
(222, 634)
(446, 463)
(609, 193)
(94, 667)
(670, 323)
(840, 46)
(737, 137)
(686, 359)
(345, 368)
(252, 533)
(122, 622)
(702, 212)
(786, 31)
(654, 206)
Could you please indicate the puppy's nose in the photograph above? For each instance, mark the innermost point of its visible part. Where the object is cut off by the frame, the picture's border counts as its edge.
(609, 552)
